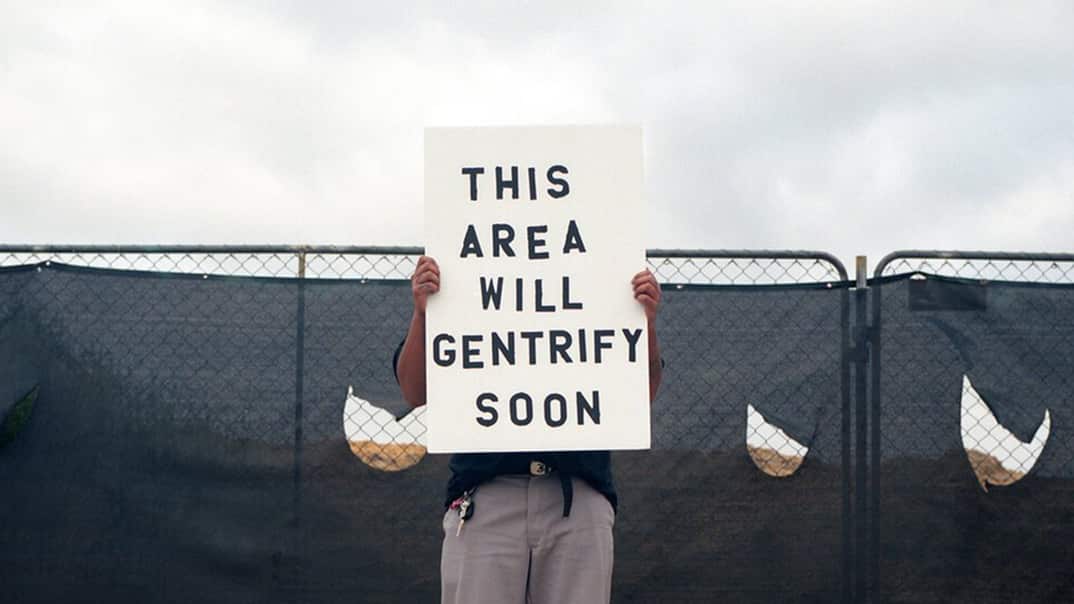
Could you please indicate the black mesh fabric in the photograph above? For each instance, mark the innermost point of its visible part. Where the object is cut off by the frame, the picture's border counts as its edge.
(188, 444)
(156, 465)
(942, 537)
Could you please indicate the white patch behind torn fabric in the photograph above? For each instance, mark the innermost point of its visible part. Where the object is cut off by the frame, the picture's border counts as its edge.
(982, 433)
(364, 421)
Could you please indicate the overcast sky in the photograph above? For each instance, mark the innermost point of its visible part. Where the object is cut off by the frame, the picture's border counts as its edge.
(852, 127)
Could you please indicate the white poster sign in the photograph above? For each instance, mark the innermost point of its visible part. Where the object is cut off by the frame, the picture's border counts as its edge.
(535, 341)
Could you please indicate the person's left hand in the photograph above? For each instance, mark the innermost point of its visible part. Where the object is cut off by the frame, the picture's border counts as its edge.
(647, 293)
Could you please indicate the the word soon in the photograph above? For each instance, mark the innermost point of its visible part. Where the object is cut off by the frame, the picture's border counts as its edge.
(554, 410)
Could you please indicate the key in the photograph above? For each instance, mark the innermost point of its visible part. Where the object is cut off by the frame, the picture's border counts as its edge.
(464, 507)
(466, 510)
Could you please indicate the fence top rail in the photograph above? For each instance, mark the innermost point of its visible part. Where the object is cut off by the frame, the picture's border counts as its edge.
(996, 266)
(681, 266)
(206, 249)
(66, 248)
(672, 267)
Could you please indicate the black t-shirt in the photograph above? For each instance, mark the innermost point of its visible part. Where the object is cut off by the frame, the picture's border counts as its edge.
(469, 470)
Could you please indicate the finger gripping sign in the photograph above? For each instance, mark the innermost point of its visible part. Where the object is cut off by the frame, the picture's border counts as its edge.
(535, 341)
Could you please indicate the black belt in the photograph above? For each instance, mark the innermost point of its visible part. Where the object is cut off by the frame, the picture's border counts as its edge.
(536, 467)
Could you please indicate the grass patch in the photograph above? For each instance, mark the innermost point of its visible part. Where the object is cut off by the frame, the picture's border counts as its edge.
(17, 417)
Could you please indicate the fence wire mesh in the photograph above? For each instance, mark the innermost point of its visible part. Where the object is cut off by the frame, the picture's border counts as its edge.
(700, 267)
(742, 268)
(1042, 268)
(236, 263)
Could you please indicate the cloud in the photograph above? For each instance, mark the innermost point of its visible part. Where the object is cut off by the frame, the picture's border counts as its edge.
(858, 128)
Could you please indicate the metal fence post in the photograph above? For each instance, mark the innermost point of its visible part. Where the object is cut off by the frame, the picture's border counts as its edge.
(846, 436)
(300, 354)
(860, 359)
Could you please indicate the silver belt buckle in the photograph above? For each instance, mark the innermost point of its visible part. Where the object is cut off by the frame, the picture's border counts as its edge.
(538, 468)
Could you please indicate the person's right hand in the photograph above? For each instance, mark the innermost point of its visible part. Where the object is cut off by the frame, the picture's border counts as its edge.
(424, 282)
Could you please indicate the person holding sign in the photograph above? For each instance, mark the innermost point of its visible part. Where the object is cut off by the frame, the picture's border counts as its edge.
(531, 527)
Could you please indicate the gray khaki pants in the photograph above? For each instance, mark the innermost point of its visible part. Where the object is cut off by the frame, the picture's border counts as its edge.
(518, 548)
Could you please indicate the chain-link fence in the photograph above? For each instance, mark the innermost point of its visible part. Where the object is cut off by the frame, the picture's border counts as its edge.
(247, 439)
(202, 436)
(971, 450)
